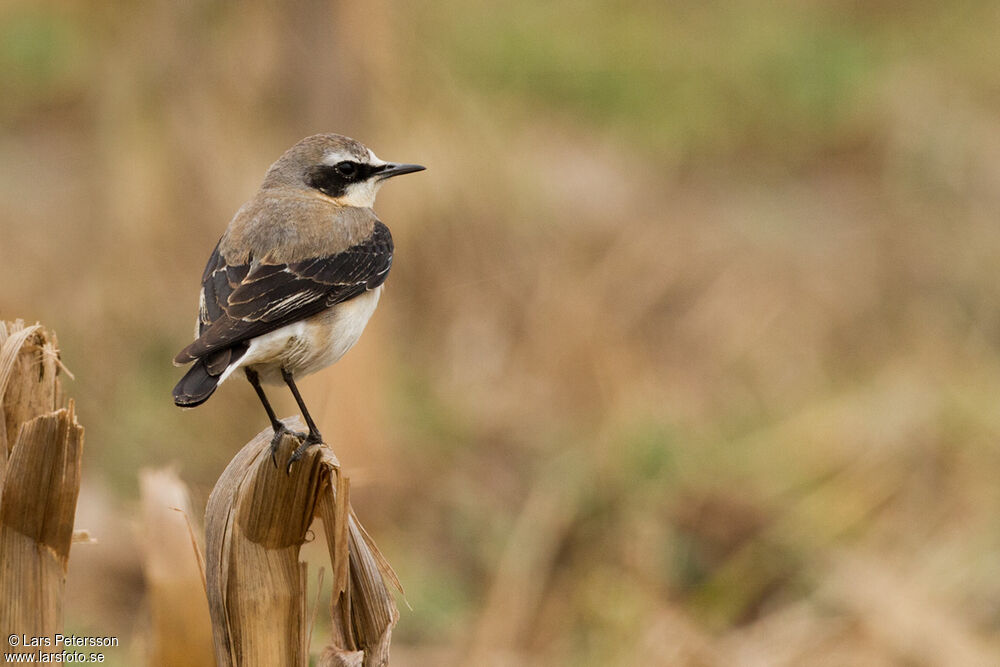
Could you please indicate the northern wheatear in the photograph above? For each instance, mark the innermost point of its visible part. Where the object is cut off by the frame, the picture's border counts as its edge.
(295, 277)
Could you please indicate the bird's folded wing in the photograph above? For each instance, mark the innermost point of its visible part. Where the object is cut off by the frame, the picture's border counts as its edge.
(245, 301)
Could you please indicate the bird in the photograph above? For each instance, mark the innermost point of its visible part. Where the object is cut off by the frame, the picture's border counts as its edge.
(295, 278)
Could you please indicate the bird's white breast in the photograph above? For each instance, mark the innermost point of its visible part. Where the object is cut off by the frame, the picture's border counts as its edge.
(312, 344)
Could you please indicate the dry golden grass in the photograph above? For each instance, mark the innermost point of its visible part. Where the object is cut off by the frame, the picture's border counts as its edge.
(40, 455)
(180, 630)
(255, 525)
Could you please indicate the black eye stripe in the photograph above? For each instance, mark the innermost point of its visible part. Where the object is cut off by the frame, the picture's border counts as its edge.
(331, 179)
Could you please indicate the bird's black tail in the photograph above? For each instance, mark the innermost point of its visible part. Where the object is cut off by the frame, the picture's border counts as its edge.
(196, 386)
(201, 380)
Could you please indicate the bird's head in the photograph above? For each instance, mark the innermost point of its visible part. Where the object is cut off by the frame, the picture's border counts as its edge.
(339, 167)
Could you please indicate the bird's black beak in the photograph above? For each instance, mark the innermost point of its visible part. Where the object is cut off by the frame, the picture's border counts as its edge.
(389, 170)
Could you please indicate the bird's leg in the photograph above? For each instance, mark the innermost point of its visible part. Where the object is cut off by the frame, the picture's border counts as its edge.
(280, 430)
(313, 437)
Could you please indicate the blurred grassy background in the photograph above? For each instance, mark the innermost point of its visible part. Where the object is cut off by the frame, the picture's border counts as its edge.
(691, 349)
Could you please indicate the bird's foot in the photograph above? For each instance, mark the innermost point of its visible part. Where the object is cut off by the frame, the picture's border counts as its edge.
(280, 431)
(313, 438)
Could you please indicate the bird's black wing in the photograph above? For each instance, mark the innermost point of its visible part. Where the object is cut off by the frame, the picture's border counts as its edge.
(239, 302)
(217, 283)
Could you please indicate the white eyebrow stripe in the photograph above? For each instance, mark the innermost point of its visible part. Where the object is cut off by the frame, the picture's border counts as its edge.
(337, 156)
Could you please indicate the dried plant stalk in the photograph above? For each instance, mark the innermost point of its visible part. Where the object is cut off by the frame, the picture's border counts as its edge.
(39, 481)
(181, 632)
(255, 524)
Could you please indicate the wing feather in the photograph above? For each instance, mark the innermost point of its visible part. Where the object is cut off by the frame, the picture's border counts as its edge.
(245, 301)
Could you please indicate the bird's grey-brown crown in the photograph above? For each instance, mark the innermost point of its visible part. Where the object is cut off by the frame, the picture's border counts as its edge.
(337, 166)
(294, 167)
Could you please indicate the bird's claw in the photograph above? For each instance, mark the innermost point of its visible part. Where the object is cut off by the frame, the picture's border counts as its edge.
(279, 434)
(310, 440)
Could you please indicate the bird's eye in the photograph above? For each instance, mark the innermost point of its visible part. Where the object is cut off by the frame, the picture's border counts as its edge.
(347, 169)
